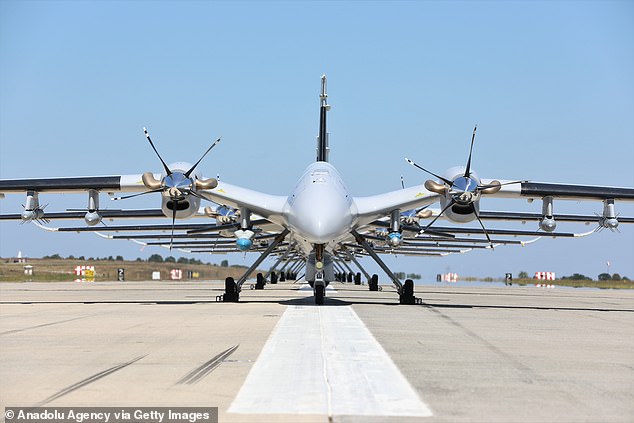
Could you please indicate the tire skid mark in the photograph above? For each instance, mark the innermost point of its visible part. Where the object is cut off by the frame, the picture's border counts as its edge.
(89, 380)
(42, 325)
(200, 372)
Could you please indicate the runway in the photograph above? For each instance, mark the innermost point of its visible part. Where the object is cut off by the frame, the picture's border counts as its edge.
(466, 354)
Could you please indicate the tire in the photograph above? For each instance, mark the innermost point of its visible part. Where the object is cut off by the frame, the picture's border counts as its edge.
(373, 284)
(319, 294)
(230, 285)
(408, 288)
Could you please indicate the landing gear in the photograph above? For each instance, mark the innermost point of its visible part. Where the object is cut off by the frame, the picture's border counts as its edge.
(233, 288)
(373, 283)
(273, 278)
(407, 293)
(405, 290)
(319, 287)
(357, 278)
(260, 281)
(232, 292)
(319, 294)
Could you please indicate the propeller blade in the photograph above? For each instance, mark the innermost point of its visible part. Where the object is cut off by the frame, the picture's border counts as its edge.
(203, 156)
(447, 181)
(451, 203)
(467, 172)
(147, 135)
(482, 225)
(136, 195)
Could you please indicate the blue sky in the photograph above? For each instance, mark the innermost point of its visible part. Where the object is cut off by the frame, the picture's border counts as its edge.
(549, 83)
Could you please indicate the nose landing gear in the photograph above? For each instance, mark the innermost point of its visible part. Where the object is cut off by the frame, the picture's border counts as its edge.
(319, 287)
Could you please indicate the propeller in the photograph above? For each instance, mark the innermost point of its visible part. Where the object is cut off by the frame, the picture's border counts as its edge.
(176, 185)
(467, 171)
(35, 214)
(464, 191)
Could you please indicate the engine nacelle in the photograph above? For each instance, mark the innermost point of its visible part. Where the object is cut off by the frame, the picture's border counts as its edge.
(461, 213)
(185, 208)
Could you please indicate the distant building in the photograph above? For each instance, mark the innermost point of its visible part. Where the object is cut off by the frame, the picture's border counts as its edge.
(86, 273)
(449, 277)
(545, 276)
(19, 258)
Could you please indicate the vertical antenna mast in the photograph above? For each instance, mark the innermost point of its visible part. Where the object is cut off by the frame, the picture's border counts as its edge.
(322, 140)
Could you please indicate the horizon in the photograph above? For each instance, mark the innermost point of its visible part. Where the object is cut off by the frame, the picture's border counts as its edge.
(550, 86)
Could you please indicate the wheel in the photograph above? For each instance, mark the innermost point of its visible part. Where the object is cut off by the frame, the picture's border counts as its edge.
(407, 295)
(231, 291)
(260, 281)
(230, 285)
(408, 288)
(357, 279)
(373, 284)
(319, 294)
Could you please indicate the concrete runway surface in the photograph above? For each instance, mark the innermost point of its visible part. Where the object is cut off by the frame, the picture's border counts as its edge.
(466, 354)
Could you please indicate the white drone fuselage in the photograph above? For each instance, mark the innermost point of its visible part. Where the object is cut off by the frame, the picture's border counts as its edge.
(320, 209)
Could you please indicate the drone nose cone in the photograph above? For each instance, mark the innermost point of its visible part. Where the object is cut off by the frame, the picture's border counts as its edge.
(322, 223)
(325, 229)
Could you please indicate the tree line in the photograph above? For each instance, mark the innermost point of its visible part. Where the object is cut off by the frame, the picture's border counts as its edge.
(580, 277)
(154, 258)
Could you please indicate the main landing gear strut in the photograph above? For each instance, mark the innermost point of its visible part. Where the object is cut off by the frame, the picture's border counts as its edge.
(405, 290)
(232, 288)
(373, 281)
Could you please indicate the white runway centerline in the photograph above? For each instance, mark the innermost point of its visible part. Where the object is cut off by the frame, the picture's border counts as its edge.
(324, 360)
